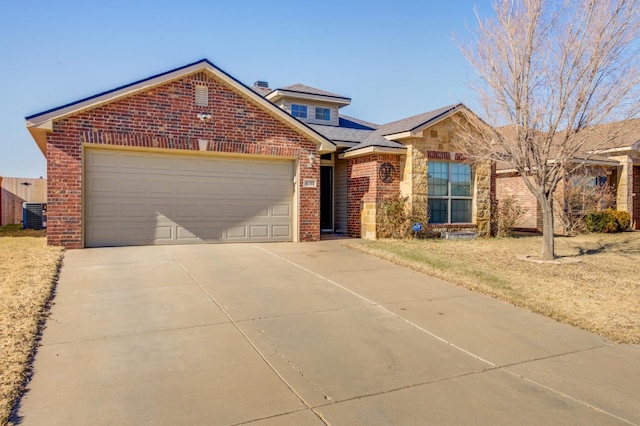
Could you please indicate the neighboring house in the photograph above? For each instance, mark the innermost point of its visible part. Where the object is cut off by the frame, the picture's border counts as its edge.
(616, 164)
(193, 155)
(15, 191)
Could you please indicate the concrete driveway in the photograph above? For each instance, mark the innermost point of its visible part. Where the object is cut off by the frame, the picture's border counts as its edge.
(307, 334)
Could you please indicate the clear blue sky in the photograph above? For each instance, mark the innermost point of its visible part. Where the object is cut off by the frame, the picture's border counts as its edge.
(393, 58)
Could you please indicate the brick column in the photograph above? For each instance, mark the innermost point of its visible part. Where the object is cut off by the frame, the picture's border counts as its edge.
(366, 190)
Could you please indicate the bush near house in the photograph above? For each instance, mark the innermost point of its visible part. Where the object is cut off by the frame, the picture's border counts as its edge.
(608, 221)
(395, 217)
(508, 213)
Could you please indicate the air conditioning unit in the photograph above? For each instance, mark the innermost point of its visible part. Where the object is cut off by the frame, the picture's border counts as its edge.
(34, 215)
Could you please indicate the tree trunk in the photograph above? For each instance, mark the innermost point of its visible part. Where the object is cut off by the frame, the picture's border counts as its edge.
(548, 242)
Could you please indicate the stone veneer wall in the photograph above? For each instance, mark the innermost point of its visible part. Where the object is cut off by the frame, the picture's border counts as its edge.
(628, 187)
(436, 144)
(165, 117)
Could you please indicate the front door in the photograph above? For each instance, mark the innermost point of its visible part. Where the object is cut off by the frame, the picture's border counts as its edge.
(326, 198)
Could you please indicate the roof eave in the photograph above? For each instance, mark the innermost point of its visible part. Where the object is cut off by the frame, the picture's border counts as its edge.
(39, 134)
(278, 94)
(373, 150)
(400, 136)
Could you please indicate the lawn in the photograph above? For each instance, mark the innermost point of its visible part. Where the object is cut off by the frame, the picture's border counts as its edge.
(28, 269)
(596, 286)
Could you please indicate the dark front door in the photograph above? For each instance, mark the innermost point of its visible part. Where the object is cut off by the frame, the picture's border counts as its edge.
(326, 198)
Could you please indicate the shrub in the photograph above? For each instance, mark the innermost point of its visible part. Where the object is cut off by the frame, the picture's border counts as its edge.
(583, 193)
(508, 212)
(608, 221)
(623, 218)
(395, 217)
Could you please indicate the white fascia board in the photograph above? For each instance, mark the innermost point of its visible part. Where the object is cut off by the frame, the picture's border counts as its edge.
(373, 150)
(398, 136)
(280, 93)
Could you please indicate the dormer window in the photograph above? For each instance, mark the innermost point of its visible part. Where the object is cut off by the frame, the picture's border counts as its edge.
(323, 114)
(299, 111)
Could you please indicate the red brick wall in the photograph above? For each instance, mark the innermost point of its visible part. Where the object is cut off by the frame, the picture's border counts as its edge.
(365, 186)
(635, 215)
(166, 117)
(513, 184)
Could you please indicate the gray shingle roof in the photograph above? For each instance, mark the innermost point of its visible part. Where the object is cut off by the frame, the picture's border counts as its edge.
(262, 91)
(411, 123)
(345, 134)
(375, 139)
(301, 88)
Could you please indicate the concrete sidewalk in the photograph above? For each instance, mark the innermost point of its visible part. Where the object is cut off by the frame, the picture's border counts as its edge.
(310, 333)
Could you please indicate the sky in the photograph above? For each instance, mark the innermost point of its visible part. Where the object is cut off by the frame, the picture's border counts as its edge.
(394, 59)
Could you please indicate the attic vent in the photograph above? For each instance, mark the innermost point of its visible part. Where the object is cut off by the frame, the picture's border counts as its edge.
(433, 134)
(202, 95)
(261, 84)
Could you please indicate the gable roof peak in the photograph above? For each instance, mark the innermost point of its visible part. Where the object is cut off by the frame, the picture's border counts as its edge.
(420, 121)
(42, 123)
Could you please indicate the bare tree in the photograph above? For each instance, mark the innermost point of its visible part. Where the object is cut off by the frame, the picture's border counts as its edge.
(550, 74)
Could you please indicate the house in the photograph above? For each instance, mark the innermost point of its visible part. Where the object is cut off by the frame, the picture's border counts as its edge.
(615, 163)
(14, 191)
(193, 155)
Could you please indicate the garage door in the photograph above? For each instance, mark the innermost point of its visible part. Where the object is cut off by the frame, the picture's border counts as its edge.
(136, 198)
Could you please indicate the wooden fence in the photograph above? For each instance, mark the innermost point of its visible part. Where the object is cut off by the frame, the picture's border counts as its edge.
(14, 192)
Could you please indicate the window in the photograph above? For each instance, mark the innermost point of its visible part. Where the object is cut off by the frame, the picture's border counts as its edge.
(449, 192)
(323, 114)
(299, 111)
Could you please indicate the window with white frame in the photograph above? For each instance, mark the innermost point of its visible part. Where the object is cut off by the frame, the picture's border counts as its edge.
(299, 111)
(323, 114)
(449, 193)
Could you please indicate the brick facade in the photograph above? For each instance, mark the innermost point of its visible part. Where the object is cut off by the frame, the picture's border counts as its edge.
(512, 184)
(165, 117)
(366, 189)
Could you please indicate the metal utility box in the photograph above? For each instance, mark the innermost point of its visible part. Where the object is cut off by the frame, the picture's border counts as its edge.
(34, 215)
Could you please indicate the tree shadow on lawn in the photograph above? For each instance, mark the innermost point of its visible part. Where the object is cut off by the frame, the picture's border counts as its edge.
(622, 247)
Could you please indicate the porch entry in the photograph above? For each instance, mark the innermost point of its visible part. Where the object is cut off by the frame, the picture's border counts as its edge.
(326, 199)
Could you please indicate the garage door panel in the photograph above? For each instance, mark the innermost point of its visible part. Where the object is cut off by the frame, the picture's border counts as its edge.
(259, 231)
(137, 198)
(131, 210)
(237, 232)
(283, 210)
(281, 231)
(103, 210)
(103, 185)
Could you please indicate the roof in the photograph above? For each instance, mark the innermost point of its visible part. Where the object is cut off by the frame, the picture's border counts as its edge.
(262, 91)
(301, 91)
(417, 122)
(42, 123)
(356, 123)
(379, 141)
(301, 88)
(342, 134)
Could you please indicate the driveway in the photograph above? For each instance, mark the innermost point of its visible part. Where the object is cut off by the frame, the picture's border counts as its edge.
(307, 334)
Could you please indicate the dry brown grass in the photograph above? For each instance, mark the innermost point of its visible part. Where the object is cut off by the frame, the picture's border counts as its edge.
(600, 293)
(28, 268)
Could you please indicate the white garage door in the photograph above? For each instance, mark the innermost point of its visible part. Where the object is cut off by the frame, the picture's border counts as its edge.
(137, 198)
